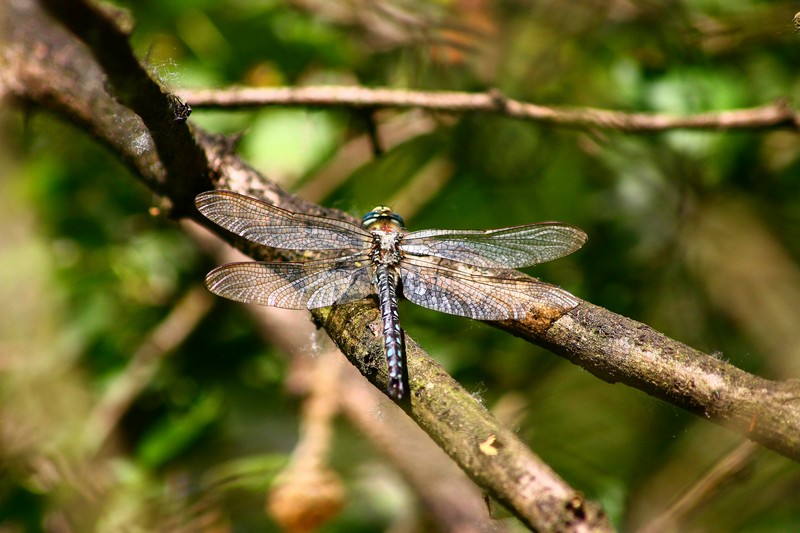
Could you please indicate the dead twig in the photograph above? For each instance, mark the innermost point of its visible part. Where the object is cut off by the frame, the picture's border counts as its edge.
(773, 115)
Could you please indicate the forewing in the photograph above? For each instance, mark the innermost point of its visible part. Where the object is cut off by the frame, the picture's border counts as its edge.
(482, 296)
(514, 247)
(272, 226)
(293, 285)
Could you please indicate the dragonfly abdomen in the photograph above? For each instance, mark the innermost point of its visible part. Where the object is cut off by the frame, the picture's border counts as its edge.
(386, 280)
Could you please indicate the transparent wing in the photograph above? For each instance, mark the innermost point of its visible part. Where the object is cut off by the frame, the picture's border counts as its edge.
(514, 247)
(482, 296)
(272, 226)
(293, 285)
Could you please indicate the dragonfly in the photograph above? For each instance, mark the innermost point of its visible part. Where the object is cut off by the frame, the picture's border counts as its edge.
(468, 273)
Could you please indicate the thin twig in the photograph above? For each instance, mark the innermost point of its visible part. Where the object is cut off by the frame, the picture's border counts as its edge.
(773, 115)
(704, 489)
(144, 364)
(307, 493)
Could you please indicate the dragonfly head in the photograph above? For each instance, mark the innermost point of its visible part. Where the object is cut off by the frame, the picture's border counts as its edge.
(380, 217)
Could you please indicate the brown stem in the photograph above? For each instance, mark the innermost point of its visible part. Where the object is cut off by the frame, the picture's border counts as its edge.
(776, 114)
(703, 490)
(131, 84)
(618, 349)
(144, 364)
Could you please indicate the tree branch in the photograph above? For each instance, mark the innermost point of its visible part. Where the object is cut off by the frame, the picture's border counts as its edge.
(164, 116)
(774, 115)
(618, 349)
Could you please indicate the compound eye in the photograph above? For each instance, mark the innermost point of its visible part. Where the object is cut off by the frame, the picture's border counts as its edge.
(370, 218)
(397, 218)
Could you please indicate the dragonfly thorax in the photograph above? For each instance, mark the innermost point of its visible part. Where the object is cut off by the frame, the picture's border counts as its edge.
(387, 228)
(386, 247)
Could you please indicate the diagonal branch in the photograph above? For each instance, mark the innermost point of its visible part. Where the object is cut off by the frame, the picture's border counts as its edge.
(774, 115)
(132, 85)
(618, 349)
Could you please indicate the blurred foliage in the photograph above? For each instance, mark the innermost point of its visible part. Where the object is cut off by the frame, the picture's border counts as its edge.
(86, 273)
